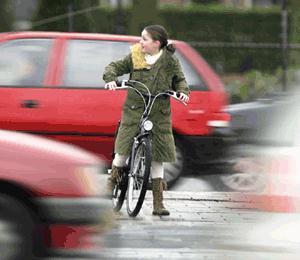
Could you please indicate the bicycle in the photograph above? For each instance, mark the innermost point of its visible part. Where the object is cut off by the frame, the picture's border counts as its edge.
(135, 176)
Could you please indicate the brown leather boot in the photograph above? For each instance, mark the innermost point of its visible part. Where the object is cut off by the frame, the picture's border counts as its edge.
(114, 179)
(157, 189)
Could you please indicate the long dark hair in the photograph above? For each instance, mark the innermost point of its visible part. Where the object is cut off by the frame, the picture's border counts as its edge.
(159, 33)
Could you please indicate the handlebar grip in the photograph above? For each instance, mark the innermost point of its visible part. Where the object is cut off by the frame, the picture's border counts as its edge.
(174, 93)
(119, 83)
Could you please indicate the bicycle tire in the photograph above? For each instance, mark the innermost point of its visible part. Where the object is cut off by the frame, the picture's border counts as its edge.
(139, 177)
(119, 192)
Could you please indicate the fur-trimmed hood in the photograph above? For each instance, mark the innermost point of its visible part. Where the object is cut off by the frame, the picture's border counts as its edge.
(138, 57)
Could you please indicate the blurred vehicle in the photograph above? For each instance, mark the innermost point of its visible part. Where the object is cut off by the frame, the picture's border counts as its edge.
(50, 84)
(250, 122)
(271, 157)
(51, 199)
(268, 155)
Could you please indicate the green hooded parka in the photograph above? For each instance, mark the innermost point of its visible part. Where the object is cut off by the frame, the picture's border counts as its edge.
(164, 74)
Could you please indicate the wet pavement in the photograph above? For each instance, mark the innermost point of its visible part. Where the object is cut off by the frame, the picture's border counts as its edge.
(202, 225)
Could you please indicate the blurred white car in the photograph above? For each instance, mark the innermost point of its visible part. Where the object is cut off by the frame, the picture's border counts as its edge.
(263, 129)
(272, 158)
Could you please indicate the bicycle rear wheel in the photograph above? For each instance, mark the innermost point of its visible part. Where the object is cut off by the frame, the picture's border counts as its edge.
(119, 191)
(138, 177)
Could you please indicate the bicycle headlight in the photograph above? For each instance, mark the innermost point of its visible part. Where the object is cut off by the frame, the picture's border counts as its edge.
(148, 125)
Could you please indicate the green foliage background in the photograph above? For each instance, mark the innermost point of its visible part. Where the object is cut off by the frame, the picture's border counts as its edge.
(219, 24)
(82, 23)
(6, 15)
(202, 21)
(195, 23)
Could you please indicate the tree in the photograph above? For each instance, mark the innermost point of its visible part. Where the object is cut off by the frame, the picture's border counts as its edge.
(81, 23)
(294, 33)
(6, 14)
(144, 12)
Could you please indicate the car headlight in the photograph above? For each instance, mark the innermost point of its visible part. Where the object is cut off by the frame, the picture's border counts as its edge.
(148, 125)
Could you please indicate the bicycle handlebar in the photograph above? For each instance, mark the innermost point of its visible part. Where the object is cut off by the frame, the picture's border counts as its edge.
(124, 84)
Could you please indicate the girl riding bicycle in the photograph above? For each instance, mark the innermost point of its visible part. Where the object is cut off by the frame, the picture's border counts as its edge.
(151, 62)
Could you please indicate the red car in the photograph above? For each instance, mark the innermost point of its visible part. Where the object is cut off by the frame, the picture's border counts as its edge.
(51, 199)
(51, 84)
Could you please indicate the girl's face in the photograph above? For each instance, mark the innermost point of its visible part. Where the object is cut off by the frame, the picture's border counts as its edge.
(149, 46)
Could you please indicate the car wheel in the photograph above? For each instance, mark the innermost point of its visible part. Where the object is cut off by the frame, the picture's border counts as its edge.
(172, 171)
(16, 229)
(244, 182)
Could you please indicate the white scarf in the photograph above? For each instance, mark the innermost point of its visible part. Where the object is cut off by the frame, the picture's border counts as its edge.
(151, 59)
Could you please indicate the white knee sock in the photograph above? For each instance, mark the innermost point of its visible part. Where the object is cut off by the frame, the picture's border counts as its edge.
(157, 170)
(119, 160)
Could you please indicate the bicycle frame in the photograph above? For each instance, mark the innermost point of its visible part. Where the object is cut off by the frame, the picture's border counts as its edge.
(142, 139)
(125, 84)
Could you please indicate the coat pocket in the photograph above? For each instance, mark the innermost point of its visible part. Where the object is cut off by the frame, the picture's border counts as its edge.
(132, 114)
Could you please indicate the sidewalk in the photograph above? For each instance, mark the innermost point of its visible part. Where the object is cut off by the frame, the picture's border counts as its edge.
(202, 225)
(196, 206)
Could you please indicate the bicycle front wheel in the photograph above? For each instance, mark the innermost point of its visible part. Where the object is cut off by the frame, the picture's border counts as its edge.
(138, 177)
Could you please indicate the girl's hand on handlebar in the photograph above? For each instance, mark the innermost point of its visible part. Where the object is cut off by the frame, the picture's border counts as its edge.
(183, 97)
(111, 85)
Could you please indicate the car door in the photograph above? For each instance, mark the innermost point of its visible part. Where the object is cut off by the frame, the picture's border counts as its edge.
(207, 98)
(26, 104)
(191, 119)
(87, 113)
